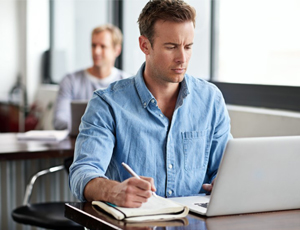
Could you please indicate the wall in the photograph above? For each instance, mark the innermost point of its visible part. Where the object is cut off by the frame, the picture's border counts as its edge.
(25, 25)
(37, 42)
(10, 55)
(259, 122)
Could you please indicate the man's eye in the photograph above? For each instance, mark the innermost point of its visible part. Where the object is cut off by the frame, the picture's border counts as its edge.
(170, 47)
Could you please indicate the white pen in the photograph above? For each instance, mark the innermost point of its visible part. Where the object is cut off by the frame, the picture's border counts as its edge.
(127, 167)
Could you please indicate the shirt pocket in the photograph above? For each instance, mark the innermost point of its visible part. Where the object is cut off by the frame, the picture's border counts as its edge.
(196, 149)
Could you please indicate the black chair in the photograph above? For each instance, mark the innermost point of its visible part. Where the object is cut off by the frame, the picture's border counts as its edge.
(49, 215)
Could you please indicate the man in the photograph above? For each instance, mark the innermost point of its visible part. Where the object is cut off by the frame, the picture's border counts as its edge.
(106, 47)
(168, 126)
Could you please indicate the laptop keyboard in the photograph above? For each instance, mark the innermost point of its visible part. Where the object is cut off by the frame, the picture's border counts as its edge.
(203, 205)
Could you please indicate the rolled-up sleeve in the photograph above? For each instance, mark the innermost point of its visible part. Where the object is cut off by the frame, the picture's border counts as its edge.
(94, 146)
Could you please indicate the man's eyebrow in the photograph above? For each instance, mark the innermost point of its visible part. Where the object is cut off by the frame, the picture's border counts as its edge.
(171, 43)
(176, 44)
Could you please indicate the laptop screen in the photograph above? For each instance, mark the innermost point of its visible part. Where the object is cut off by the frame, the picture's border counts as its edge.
(77, 110)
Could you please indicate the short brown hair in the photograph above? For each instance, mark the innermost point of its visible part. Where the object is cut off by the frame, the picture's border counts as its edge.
(116, 33)
(166, 10)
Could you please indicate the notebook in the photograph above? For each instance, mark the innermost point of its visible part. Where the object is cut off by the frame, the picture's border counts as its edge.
(255, 175)
(155, 209)
(77, 110)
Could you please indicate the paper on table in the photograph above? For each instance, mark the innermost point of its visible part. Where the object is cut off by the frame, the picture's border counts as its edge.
(43, 135)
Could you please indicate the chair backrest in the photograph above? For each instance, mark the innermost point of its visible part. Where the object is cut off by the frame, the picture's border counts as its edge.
(67, 163)
(48, 215)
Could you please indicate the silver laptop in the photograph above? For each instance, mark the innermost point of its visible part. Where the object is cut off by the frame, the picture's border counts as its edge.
(255, 175)
(77, 110)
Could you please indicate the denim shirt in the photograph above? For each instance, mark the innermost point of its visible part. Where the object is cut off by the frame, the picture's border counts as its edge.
(124, 124)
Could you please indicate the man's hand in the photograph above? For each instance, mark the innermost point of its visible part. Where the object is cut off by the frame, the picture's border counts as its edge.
(208, 187)
(130, 193)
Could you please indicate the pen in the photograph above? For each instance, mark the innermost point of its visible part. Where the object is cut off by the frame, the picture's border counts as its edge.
(130, 170)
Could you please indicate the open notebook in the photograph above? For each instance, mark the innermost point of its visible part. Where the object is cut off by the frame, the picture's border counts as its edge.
(156, 208)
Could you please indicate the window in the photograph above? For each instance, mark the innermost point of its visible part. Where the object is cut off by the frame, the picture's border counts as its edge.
(257, 42)
(255, 53)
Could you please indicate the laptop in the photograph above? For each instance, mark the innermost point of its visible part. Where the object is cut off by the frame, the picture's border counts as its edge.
(77, 110)
(255, 175)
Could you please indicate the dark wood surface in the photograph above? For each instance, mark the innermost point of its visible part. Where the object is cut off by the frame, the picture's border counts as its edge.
(86, 215)
(13, 149)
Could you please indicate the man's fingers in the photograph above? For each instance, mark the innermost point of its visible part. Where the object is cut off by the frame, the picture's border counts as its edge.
(151, 181)
(139, 188)
(139, 183)
(207, 187)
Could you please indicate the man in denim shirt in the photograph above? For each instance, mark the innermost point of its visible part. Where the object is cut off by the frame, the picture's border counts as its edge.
(170, 127)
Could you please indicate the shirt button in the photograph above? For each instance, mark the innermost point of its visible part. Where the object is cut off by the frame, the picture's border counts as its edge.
(145, 104)
(152, 101)
(170, 192)
(170, 166)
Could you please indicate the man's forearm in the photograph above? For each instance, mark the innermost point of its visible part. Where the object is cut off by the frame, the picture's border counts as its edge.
(99, 189)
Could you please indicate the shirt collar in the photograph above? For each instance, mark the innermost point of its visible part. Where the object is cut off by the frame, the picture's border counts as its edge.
(183, 92)
(146, 96)
(105, 80)
(143, 91)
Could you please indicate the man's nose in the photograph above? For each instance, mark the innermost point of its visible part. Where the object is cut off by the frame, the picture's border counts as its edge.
(181, 55)
(98, 50)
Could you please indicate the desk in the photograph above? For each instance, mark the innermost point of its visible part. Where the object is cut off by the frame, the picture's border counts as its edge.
(12, 149)
(85, 214)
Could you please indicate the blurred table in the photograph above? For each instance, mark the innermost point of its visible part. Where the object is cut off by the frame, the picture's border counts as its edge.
(13, 149)
(86, 215)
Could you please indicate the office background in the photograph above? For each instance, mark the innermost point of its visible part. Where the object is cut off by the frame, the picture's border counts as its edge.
(250, 49)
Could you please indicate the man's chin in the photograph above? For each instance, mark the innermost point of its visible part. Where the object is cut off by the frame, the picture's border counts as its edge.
(178, 78)
(98, 65)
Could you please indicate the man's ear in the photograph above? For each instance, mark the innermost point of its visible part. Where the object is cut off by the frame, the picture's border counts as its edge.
(145, 45)
(118, 49)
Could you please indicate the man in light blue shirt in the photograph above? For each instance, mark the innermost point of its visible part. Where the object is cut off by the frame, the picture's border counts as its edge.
(170, 127)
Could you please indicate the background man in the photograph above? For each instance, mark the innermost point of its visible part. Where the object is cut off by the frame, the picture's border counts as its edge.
(168, 126)
(106, 43)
